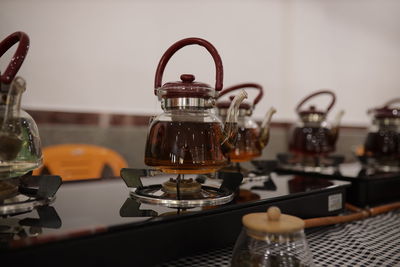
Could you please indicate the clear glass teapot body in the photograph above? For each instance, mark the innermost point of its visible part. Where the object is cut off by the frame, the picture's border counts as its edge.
(248, 144)
(186, 141)
(20, 146)
(312, 136)
(257, 249)
(382, 144)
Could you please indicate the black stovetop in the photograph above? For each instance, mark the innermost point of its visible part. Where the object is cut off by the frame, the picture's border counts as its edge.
(95, 216)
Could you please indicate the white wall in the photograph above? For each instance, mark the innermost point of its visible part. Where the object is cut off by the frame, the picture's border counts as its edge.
(101, 55)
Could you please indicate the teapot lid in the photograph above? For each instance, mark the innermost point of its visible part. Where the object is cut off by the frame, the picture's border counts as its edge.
(273, 222)
(386, 111)
(187, 87)
(243, 105)
(312, 109)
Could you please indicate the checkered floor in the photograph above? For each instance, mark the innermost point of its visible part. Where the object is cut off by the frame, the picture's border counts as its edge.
(371, 242)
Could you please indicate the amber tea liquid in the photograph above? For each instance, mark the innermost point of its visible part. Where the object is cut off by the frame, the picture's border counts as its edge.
(247, 146)
(185, 147)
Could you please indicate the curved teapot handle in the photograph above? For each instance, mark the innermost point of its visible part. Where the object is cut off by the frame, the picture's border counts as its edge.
(328, 92)
(245, 85)
(392, 101)
(18, 57)
(184, 42)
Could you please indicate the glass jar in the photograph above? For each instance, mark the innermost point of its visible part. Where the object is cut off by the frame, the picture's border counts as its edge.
(271, 239)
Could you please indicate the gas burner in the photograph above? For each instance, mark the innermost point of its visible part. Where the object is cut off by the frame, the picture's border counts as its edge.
(179, 192)
(32, 192)
(323, 164)
(183, 187)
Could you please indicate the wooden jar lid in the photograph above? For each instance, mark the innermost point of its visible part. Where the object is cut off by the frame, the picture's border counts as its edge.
(273, 222)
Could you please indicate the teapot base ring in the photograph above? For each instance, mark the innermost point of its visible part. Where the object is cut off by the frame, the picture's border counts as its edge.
(208, 196)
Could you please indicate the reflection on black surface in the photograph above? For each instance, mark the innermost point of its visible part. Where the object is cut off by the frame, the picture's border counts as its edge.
(15, 228)
(303, 184)
(245, 196)
(268, 185)
(131, 208)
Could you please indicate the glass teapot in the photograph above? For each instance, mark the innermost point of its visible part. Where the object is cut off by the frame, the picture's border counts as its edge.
(313, 136)
(382, 144)
(271, 239)
(187, 137)
(20, 147)
(251, 138)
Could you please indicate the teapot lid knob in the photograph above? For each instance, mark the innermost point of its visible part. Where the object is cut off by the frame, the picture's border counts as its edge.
(187, 78)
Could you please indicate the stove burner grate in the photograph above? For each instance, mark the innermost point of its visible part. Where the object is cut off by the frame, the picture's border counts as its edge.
(33, 192)
(179, 192)
(207, 196)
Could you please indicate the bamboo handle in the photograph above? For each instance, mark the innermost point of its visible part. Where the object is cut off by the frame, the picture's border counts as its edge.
(323, 221)
(384, 208)
(358, 215)
(351, 207)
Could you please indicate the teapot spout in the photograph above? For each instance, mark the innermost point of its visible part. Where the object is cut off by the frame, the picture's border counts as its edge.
(230, 126)
(265, 128)
(336, 124)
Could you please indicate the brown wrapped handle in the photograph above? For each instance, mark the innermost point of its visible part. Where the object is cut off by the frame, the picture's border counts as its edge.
(245, 85)
(392, 101)
(328, 92)
(18, 57)
(190, 41)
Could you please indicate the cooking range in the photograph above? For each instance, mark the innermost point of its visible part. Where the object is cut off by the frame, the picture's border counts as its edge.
(105, 221)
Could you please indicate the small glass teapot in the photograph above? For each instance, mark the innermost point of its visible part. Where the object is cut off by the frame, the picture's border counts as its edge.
(188, 137)
(20, 147)
(271, 239)
(313, 136)
(251, 138)
(382, 145)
